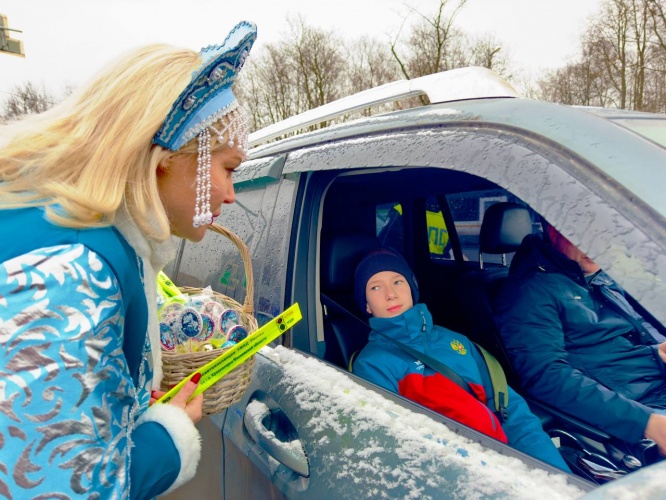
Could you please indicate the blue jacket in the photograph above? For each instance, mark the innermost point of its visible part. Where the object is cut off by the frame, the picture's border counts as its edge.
(392, 368)
(580, 346)
(73, 320)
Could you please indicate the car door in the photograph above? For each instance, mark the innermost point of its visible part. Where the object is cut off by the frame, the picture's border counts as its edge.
(307, 429)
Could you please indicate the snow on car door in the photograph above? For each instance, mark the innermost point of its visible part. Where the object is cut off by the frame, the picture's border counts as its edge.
(316, 432)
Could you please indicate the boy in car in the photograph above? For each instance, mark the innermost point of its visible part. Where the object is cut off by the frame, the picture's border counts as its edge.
(403, 333)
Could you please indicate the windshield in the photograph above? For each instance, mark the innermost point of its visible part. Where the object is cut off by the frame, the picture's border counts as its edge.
(650, 128)
(647, 176)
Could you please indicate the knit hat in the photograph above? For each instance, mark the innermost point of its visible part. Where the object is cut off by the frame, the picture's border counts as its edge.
(376, 262)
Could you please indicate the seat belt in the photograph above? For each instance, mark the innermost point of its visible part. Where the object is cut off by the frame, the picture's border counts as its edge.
(433, 363)
(499, 383)
(612, 297)
(497, 376)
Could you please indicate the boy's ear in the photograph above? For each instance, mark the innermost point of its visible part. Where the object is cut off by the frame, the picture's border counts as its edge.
(367, 309)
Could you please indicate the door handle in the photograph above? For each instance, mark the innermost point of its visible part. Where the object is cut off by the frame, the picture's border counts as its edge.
(272, 431)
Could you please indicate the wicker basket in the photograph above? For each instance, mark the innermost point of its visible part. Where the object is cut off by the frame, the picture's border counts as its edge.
(229, 389)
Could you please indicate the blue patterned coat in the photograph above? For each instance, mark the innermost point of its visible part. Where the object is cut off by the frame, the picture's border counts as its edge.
(74, 370)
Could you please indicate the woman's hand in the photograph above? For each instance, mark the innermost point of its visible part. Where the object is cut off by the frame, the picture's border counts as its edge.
(194, 408)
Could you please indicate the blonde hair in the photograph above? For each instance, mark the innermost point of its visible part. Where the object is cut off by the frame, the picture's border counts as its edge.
(93, 154)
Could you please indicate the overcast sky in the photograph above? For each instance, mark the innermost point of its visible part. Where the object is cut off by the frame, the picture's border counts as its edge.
(66, 41)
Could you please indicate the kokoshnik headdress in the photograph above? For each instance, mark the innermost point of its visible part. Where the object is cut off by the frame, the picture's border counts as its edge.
(206, 100)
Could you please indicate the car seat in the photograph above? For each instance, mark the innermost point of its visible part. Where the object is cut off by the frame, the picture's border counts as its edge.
(345, 329)
(503, 228)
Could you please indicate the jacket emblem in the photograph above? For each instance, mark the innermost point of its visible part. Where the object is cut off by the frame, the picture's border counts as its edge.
(457, 346)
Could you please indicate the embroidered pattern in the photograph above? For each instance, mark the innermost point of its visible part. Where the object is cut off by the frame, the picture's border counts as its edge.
(208, 97)
(458, 346)
(66, 395)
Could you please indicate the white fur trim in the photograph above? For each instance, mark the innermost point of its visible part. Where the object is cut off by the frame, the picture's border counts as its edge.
(150, 285)
(155, 255)
(185, 437)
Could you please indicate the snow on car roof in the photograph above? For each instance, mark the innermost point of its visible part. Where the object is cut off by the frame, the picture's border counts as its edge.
(452, 85)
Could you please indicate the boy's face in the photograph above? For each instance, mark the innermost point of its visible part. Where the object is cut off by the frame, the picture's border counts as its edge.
(388, 294)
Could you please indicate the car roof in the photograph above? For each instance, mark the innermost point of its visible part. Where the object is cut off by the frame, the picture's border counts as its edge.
(589, 134)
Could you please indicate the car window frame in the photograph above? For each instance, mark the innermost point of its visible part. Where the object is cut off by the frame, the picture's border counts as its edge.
(468, 147)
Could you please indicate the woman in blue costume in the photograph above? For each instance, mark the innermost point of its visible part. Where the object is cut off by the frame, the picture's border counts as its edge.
(91, 193)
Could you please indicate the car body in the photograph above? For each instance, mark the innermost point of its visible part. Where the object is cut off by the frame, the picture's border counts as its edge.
(306, 427)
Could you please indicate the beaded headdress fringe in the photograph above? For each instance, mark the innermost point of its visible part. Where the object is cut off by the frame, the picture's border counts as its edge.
(236, 130)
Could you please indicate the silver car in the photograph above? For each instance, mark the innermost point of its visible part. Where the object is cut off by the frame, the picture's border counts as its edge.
(308, 200)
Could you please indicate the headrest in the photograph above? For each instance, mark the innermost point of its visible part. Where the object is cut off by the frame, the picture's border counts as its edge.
(504, 226)
(339, 260)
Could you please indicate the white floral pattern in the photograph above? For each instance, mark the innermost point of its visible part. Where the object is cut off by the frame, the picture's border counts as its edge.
(67, 400)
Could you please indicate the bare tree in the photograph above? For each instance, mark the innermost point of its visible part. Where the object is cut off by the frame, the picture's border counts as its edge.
(641, 35)
(486, 51)
(304, 71)
(577, 84)
(269, 87)
(657, 9)
(311, 67)
(370, 64)
(317, 57)
(655, 87)
(608, 40)
(27, 99)
(433, 44)
(622, 62)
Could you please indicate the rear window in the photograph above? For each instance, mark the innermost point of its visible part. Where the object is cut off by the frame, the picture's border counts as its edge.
(467, 210)
(390, 228)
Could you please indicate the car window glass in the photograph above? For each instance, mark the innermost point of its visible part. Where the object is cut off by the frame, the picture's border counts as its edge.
(467, 210)
(652, 129)
(390, 228)
(214, 262)
(270, 257)
(390, 225)
(260, 218)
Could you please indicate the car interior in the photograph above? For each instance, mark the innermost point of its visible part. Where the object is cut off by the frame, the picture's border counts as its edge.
(458, 232)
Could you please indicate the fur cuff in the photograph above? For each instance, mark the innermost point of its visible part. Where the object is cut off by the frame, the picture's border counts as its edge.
(185, 437)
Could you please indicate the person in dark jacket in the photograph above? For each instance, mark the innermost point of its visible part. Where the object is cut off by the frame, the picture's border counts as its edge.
(386, 289)
(578, 345)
